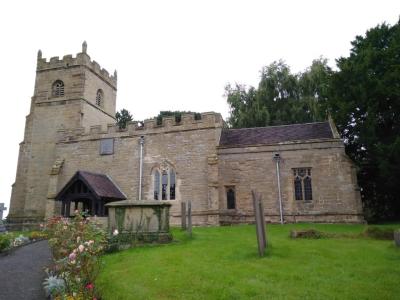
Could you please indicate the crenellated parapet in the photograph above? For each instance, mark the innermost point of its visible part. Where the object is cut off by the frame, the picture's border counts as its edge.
(187, 122)
(81, 59)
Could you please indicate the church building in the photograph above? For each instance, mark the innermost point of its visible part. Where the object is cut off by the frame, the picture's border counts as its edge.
(74, 156)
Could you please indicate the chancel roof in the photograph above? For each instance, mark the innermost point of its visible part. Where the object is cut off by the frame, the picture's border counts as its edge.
(275, 134)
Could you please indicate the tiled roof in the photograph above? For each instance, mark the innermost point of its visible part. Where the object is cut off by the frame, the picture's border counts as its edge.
(275, 134)
(102, 185)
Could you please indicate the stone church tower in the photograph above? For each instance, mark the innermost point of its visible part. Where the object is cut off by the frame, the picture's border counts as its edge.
(73, 92)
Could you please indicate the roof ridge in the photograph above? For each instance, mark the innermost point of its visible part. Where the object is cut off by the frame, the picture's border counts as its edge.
(275, 126)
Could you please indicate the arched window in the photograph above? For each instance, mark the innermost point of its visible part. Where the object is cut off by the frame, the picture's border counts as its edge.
(164, 184)
(99, 97)
(302, 184)
(156, 184)
(58, 88)
(230, 198)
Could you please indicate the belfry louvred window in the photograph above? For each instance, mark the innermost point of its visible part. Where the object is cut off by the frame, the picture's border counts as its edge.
(99, 97)
(302, 184)
(58, 88)
(164, 184)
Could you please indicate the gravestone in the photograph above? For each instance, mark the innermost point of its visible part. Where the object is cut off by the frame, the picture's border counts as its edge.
(183, 215)
(2, 227)
(260, 223)
(189, 216)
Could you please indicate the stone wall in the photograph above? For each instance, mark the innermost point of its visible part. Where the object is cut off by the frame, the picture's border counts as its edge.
(186, 147)
(336, 197)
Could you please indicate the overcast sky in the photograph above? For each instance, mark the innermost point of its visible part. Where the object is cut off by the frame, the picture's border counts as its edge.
(170, 55)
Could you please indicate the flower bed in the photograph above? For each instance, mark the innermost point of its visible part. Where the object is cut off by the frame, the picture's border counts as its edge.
(76, 245)
(9, 241)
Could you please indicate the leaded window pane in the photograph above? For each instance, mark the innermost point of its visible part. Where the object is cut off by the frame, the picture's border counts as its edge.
(164, 185)
(172, 185)
(307, 189)
(298, 191)
(156, 185)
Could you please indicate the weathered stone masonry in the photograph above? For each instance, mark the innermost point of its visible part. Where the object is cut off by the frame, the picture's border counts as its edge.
(63, 134)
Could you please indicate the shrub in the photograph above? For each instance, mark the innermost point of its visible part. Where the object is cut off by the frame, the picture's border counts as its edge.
(76, 245)
(5, 241)
(379, 233)
(37, 235)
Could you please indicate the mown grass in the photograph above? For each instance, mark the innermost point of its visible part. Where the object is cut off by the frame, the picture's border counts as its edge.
(222, 263)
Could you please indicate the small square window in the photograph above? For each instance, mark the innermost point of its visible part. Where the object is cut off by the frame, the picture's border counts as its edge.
(106, 146)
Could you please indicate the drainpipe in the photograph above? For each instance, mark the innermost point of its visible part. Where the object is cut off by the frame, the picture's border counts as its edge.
(277, 159)
(141, 142)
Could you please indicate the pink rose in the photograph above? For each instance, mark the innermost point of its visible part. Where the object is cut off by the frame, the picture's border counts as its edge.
(72, 256)
(81, 248)
(90, 286)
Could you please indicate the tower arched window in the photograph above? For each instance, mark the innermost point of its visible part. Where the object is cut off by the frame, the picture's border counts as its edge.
(58, 88)
(99, 97)
(164, 184)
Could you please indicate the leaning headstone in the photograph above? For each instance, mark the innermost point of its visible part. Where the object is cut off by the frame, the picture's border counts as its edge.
(260, 223)
(183, 215)
(189, 216)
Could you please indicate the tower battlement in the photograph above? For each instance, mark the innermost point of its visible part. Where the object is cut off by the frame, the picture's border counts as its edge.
(150, 126)
(81, 59)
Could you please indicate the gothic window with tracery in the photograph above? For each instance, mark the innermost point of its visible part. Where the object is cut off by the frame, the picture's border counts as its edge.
(99, 97)
(58, 88)
(302, 184)
(164, 184)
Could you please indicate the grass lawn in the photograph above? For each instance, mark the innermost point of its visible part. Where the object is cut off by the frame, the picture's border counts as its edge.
(222, 263)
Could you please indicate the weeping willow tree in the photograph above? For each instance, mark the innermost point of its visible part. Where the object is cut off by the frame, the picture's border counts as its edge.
(281, 97)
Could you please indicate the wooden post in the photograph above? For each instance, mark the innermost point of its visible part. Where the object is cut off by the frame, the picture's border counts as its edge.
(183, 215)
(189, 214)
(260, 223)
(263, 226)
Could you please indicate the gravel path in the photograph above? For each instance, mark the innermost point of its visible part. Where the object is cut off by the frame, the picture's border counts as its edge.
(22, 272)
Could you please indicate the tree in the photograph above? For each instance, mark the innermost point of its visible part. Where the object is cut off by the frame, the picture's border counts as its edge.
(123, 117)
(281, 97)
(365, 103)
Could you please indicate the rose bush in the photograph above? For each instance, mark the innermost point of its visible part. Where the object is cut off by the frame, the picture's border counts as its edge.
(76, 245)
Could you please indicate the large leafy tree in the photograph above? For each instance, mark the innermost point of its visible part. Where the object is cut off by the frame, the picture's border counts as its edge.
(281, 97)
(365, 103)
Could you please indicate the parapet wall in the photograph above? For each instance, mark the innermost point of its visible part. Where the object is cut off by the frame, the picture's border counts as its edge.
(81, 59)
(150, 126)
